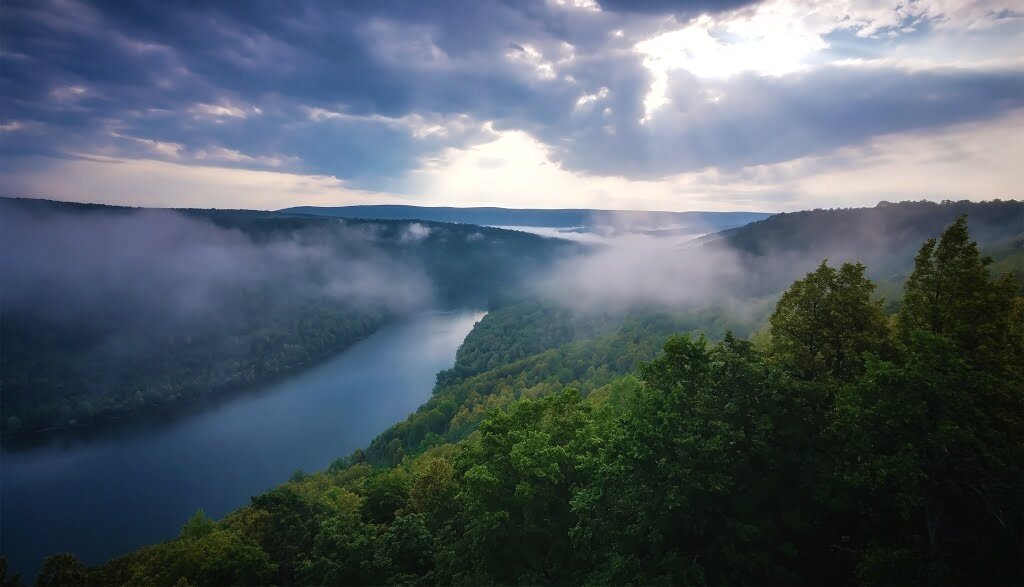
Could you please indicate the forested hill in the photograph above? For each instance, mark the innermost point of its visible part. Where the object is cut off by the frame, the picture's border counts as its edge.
(886, 237)
(109, 313)
(887, 234)
(841, 446)
(564, 218)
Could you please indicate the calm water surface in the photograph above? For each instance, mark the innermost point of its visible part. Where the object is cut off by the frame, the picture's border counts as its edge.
(116, 492)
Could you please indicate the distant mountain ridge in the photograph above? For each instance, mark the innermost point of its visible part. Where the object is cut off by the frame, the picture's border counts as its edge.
(541, 218)
(884, 230)
(884, 237)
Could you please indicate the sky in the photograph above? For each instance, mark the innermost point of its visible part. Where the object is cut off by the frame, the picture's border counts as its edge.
(655, 105)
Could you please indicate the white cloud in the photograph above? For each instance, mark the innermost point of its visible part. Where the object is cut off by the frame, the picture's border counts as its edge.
(403, 46)
(782, 37)
(219, 112)
(586, 5)
(221, 154)
(590, 98)
(973, 161)
(153, 183)
(956, 162)
(415, 232)
(541, 64)
(419, 126)
(214, 153)
(66, 94)
(517, 170)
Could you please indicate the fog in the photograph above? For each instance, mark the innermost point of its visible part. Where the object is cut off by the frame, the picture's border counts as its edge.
(640, 270)
(131, 268)
(629, 267)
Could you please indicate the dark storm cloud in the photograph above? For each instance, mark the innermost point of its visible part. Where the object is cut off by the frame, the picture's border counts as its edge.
(238, 84)
(142, 66)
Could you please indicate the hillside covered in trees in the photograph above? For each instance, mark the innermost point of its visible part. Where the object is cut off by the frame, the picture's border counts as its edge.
(884, 237)
(112, 313)
(840, 445)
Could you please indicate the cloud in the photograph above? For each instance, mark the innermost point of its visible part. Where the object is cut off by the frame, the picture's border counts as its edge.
(368, 91)
(958, 161)
(218, 112)
(155, 183)
(415, 233)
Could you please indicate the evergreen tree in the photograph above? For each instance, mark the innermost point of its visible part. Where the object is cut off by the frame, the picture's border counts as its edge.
(951, 293)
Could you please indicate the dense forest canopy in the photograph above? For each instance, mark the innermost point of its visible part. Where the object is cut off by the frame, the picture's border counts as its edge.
(839, 444)
(823, 434)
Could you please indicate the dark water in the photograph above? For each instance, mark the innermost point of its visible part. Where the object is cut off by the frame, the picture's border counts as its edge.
(114, 493)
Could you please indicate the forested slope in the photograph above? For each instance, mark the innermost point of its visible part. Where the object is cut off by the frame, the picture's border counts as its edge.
(847, 446)
(884, 237)
(109, 313)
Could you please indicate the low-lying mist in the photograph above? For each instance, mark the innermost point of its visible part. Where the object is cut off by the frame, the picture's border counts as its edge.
(630, 270)
(688, 268)
(164, 269)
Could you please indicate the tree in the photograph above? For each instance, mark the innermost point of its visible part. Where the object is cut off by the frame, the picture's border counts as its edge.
(940, 463)
(516, 483)
(385, 494)
(824, 323)
(951, 293)
(342, 552)
(433, 490)
(61, 570)
(689, 487)
(198, 526)
(404, 555)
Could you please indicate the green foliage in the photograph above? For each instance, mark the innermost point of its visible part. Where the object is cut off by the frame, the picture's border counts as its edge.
(687, 489)
(951, 293)
(840, 452)
(825, 322)
(197, 526)
(514, 515)
(937, 446)
(384, 495)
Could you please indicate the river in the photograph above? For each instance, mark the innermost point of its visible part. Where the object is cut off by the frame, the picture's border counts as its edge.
(120, 490)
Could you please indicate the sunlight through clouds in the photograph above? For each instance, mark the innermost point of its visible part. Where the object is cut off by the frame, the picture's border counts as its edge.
(653, 105)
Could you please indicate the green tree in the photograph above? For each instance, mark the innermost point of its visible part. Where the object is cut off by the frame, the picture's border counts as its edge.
(939, 462)
(824, 323)
(516, 484)
(951, 293)
(198, 526)
(342, 553)
(433, 490)
(386, 493)
(404, 554)
(690, 487)
(292, 527)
